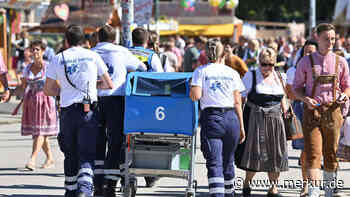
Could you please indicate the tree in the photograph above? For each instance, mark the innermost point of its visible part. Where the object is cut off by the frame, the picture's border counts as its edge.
(284, 10)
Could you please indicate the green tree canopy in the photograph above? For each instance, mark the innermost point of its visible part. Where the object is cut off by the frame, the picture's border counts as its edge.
(284, 10)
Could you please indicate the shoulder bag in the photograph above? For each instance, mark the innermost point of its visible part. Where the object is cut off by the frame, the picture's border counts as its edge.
(291, 123)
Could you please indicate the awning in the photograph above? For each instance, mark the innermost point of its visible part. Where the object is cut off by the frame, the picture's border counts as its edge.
(202, 30)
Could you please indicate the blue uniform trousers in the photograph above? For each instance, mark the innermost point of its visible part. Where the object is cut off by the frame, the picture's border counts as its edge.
(220, 134)
(100, 151)
(77, 141)
(111, 121)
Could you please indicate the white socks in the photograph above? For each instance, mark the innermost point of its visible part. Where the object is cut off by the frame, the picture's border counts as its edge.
(314, 191)
(328, 177)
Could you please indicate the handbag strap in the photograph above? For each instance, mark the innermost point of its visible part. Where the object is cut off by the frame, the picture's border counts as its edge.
(285, 90)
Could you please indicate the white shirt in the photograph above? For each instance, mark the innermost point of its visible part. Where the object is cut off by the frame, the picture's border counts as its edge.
(118, 60)
(291, 75)
(262, 88)
(83, 68)
(156, 64)
(296, 57)
(218, 82)
(171, 61)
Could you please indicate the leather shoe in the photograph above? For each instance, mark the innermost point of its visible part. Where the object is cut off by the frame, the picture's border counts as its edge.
(82, 194)
(270, 194)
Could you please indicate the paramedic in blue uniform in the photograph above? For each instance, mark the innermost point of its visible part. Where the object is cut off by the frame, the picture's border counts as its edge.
(218, 88)
(72, 74)
(140, 49)
(119, 61)
(140, 37)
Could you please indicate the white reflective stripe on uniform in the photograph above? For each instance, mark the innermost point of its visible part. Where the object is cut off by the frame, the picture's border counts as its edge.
(230, 182)
(99, 162)
(71, 187)
(122, 166)
(109, 171)
(70, 178)
(111, 177)
(85, 179)
(217, 190)
(216, 180)
(85, 170)
(229, 191)
(99, 171)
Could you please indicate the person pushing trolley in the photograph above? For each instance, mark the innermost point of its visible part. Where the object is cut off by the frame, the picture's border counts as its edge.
(72, 74)
(119, 61)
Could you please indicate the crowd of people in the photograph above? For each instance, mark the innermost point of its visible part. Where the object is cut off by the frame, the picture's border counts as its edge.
(240, 86)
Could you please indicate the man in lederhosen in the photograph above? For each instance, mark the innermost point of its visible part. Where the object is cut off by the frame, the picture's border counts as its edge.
(325, 78)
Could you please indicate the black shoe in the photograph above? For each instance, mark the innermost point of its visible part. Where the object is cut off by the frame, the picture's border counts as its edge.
(109, 192)
(98, 192)
(82, 194)
(246, 192)
(151, 181)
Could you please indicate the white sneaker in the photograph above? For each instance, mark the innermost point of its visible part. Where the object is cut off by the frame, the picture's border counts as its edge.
(314, 191)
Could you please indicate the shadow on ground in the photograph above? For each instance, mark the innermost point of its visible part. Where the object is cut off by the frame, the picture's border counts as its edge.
(25, 172)
(19, 187)
(32, 195)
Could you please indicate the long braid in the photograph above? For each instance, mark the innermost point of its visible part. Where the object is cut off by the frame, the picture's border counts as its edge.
(214, 50)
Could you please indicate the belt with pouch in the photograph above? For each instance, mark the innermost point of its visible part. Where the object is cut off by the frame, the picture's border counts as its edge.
(218, 109)
(93, 106)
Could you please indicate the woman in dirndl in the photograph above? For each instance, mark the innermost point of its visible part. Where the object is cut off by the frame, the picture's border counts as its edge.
(39, 117)
(265, 148)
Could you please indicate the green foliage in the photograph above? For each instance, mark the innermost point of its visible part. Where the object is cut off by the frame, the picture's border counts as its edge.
(284, 10)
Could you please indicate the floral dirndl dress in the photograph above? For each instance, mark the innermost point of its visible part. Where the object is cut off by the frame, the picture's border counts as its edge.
(39, 116)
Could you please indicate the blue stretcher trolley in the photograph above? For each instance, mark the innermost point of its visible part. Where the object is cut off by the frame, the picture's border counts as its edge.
(160, 123)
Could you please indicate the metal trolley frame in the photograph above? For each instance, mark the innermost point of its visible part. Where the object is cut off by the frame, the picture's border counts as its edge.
(156, 143)
(134, 171)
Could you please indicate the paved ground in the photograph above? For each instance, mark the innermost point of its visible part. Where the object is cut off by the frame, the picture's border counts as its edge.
(16, 182)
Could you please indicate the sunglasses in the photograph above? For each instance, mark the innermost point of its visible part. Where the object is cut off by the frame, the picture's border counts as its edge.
(266, 65)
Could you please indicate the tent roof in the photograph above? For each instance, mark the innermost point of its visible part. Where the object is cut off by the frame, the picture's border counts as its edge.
(204, 30)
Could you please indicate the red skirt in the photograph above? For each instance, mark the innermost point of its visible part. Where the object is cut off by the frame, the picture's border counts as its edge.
(39, 116)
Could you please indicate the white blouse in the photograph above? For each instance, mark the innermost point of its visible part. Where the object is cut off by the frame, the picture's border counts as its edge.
(263, 88)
